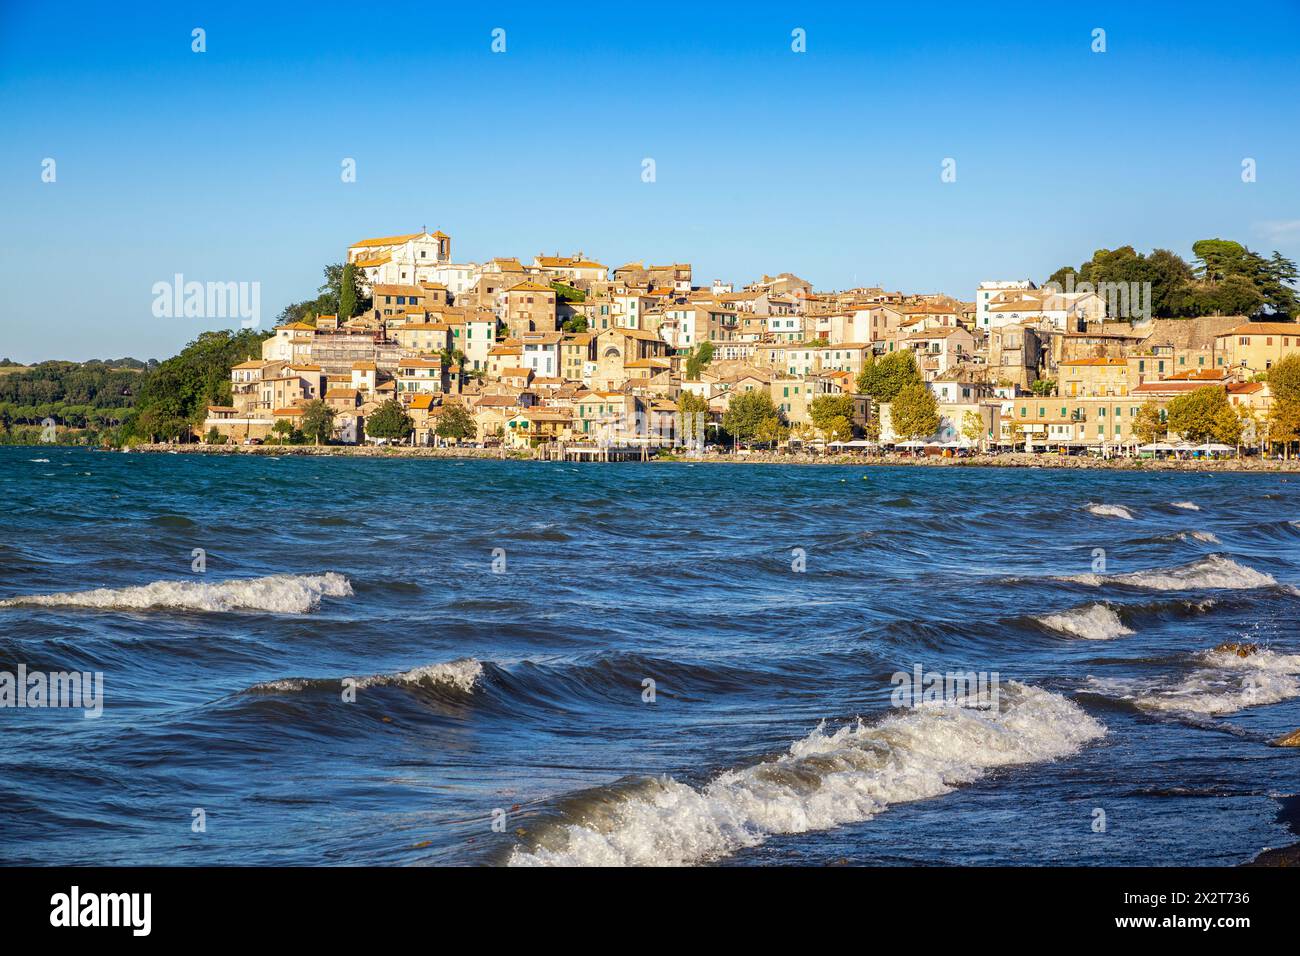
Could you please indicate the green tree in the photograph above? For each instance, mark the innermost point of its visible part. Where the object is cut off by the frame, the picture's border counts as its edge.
(914, 412)
(455, 423)
(1228, 426)
(882, 379)
(693, 415)
(390, 421)
(698, 360)
(771, 431)
(567, 293)
(453, 358)
(746, 412)
(577, 323)
(318, 421)
(158, 423)
(1197, 415)
(972, 427)
(1043, 386)
(284, 429)
(1284, 379)
(1148, 427)
(184, 385)
(832, 413)
(348, 293)
(1284, 424)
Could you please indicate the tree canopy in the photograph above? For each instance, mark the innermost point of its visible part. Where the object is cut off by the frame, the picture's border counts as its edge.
(914, 412)
(1205, 415)
(456, 423)
(746, 414)
(318, 421)
(884, 378)
(330, 297)
(1227, 279)
(389, 421)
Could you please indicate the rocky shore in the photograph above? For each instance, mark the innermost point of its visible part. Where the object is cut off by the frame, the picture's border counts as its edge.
(328, 451)
(1014, 460)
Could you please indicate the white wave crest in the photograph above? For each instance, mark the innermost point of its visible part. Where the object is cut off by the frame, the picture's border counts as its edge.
(1212, 571)
(1186, 505)
(1224, 685)
(822, 781)
(461, 674)
(279, 593)
(1110, 511)
(1096, 622)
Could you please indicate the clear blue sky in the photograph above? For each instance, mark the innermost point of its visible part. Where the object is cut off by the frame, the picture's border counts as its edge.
(224, 166)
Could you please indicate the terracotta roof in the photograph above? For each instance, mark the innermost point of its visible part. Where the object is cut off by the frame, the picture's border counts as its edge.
(385, 241)
(1264, 328)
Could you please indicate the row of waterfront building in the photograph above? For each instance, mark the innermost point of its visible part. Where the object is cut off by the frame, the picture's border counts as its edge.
(565, 349)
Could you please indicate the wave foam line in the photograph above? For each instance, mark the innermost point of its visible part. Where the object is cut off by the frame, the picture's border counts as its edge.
(1224, 685)
(1110, 511)
(1095, 622)
(279, 593)
(1212, 571)
(461, 674)
(822, 781)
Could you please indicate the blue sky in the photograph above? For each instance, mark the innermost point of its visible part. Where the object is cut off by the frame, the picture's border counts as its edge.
(225, 165)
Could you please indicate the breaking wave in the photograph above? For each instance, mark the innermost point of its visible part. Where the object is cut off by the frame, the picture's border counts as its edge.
(1212, 571)
(1095, 622)
(1110, 511)
(279, 593)
(822, 781)
(461, 674)
(1186, 505)
(1224, 684)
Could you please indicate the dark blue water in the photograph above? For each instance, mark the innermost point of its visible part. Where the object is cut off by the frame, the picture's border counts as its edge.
(504, 717)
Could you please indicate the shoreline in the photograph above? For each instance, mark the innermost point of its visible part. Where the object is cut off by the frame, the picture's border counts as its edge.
(1012, 460)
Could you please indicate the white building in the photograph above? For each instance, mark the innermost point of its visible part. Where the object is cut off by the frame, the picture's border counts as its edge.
(401, 260)
(988, 291)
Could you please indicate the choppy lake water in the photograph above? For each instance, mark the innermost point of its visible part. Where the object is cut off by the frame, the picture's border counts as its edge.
(502, 708)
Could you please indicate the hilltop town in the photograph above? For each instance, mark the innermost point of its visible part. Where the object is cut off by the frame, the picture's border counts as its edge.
(565, 352)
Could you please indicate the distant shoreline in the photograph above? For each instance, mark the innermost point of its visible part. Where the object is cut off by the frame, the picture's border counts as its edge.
(1016, 460)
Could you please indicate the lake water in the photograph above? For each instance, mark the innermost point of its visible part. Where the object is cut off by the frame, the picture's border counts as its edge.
(492, 662)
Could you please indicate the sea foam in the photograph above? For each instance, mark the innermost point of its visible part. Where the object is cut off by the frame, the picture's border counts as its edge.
(822, 781)
(1186, 505)
(1110, 511)
(1223, 684)
(1095, 622)
(461, 674)
(1212, 571)
(279, 593)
